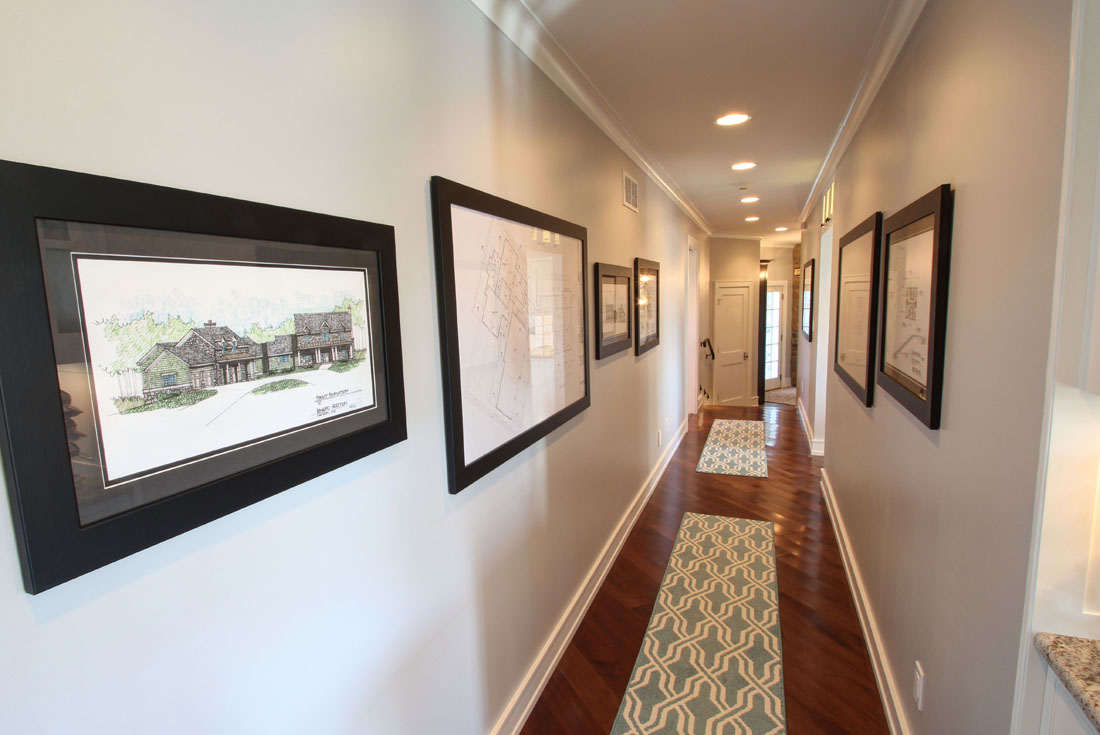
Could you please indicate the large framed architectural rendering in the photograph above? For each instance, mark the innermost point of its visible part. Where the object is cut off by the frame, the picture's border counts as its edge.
(857, 305)
(913, 305)
(514, 326)
(613, 311)
(180, 356)
(647, 304)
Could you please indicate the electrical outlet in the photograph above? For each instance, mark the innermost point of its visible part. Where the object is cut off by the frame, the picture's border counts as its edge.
(918, 685)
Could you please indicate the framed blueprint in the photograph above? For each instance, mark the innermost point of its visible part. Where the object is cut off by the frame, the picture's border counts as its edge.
(808, 300)
(180, 356)
(857, 306)
(513, 324)
(613, 312)
(647, 304)
(913, 318)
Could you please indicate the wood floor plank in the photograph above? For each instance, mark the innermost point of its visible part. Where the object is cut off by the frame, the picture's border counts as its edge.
(829, 685)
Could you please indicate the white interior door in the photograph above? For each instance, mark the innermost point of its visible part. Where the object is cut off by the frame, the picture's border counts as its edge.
(732, 335)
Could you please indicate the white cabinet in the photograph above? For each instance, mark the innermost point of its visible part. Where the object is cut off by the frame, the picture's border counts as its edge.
(1061, 713)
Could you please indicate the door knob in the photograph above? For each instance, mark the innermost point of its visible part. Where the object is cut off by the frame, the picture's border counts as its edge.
(746, 355)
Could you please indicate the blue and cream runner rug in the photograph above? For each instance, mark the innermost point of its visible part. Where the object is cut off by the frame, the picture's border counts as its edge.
(711, 662)
(735, 447)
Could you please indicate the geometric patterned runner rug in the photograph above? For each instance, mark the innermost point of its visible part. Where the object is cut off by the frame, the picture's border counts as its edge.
(711, 662)
(735, 447)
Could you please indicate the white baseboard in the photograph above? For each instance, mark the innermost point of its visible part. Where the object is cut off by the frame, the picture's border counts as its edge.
(817, 446)
(884, 675)
(527, 694)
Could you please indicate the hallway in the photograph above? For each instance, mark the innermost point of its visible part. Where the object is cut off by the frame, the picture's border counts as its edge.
(828, 681)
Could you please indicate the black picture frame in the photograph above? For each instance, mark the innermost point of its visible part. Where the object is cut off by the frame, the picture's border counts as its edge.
(647, 305)
(37, 432)
(872, 226)
(928, 272)
(448, 198)
(618, 275)
(808, 299)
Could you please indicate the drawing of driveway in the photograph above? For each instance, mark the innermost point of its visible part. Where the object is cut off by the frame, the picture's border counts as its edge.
(137, 442)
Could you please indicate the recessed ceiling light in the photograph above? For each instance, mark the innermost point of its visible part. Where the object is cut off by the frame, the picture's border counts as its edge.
(743, 166)
(780, 229)
(749, 200)
(751, 219)
(734, 118)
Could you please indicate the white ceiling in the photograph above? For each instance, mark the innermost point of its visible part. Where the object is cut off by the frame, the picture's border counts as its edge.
(669, 69)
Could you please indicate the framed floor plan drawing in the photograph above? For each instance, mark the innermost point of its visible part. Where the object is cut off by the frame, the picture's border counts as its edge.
(613, 311)
(647, 304)
(857, 307)
(181, 356)
(514, 326)
(913, 320)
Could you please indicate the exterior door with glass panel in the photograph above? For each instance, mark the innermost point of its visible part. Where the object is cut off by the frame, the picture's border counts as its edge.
(773, 337)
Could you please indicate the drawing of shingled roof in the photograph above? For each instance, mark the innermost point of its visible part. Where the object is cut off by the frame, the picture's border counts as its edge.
(213, 335)
(192, 350)
(281, 345)
(337, 321)
(253, 349)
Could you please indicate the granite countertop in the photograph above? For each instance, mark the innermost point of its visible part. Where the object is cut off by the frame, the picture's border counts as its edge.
(1076, 661)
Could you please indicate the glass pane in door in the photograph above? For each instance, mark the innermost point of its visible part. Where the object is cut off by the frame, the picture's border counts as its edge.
(771, 335)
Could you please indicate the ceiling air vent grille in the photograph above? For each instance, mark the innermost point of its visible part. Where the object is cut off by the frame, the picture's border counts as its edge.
(630, 192)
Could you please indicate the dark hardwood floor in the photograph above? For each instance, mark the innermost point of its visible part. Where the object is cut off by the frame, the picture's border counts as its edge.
(828, 681)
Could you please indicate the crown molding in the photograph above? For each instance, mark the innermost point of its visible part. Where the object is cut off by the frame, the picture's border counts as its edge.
(523, 28)
(730, 236)
(896, 26)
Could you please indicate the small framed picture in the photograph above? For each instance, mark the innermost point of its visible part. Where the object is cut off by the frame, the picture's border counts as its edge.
(647, 303)
(808, 300)
(181, 356)
(857, 306)
(913, 304)
(614, 316)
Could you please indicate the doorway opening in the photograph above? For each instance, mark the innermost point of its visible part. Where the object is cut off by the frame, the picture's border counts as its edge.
(777, 369)
(776, 364)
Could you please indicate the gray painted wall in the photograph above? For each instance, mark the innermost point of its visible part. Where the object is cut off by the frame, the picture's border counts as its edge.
(940, 521)
(366, 600)
(807, 350)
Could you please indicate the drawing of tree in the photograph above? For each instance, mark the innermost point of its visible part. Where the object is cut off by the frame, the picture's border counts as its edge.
(259, 334)
(134, 338)
(358, 313)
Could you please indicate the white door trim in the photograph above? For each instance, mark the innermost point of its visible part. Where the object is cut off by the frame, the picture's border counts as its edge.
(691, 327)
(822, 331)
